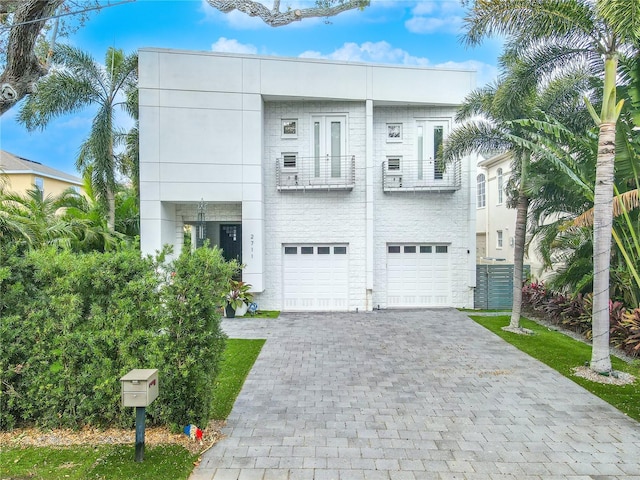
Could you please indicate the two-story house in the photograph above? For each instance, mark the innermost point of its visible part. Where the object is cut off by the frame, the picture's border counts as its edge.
(495, 222)
(319, 176)
(23, 174)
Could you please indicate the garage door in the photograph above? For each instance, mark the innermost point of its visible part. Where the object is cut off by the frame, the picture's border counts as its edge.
(418, 275)
(315, 277)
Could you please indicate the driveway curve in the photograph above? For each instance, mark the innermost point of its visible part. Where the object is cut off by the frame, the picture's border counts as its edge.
(424, 394)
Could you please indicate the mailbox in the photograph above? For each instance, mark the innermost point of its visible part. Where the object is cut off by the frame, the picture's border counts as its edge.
(139, 387)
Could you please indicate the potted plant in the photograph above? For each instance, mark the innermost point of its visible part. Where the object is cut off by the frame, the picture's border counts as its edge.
(237, 298)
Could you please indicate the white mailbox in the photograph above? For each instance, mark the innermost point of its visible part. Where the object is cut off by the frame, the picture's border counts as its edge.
(139, 387)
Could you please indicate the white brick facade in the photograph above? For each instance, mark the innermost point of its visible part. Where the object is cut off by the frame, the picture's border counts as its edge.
(219, 141)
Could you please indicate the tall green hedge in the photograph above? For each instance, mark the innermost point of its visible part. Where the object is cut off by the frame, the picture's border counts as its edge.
(72, 324)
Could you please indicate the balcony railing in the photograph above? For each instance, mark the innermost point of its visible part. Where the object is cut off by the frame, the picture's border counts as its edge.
(408, 175)
(329, 172)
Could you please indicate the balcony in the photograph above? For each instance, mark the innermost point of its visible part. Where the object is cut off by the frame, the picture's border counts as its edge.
(330, 172)
(411, 175)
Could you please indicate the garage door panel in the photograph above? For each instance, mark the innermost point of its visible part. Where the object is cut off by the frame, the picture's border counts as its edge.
(418, 275)
(316, 280)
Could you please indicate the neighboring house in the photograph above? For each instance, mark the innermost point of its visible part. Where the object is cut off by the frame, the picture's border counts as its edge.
(495, 222)
(319, 176)
(23, 175)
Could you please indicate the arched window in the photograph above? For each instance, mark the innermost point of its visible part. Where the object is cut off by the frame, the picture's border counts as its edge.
(500, 185)
(482, 198)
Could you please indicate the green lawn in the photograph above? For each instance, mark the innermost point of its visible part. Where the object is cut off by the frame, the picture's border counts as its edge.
(116, 462)
(264, 314)
(239, 357)
(563, 353)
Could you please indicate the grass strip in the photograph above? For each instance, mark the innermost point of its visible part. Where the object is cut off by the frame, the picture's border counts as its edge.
(103, 462)
(563, 353)
(239, 357)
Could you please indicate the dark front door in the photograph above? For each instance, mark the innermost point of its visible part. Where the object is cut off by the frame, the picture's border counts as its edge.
(231, 242)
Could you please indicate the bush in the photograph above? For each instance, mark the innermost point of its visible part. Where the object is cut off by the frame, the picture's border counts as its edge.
(574, 313)
(73, 324)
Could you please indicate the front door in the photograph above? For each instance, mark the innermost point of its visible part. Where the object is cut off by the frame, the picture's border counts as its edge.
(231, 242)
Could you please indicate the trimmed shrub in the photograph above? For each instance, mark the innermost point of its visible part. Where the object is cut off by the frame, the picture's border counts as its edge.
(73, 324)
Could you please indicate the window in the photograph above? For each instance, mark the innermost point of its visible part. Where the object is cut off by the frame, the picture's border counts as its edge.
(38, 182)
(394, 132)
(393, 249)
(500, 178)
(442, 249)
(429, 138)
(290, 250)
(425, 248)
(306, 250)
(438, 165)
(324, 250)
(289, 128)
(76, 188)
(328, 146)
(340, 250)
(409, 249)
(393, 164)
(499, 239)
(482, 199)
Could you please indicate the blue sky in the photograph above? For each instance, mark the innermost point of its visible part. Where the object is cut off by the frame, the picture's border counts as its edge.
(425, 33)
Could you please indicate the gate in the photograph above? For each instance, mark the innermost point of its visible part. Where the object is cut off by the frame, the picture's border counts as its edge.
(494, 286)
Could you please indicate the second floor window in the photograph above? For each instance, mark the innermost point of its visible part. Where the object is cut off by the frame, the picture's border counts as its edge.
(500, 178)
(38, 182)
(481, 195)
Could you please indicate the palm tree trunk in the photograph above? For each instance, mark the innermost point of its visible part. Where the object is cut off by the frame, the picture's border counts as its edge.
(518, 257)
(603, 221)
(111, 214)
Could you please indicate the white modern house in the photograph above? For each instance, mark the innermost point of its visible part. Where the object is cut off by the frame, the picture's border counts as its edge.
(319, 176)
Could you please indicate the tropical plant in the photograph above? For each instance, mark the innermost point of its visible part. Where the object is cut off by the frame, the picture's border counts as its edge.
(238, 294)
(552, 36)
(77, 82)
(488, 117)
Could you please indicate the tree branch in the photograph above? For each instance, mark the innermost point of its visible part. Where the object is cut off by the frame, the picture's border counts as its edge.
(22, 68)
(276, 18)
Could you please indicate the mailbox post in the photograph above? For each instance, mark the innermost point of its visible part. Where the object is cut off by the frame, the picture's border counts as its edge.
(139, 389)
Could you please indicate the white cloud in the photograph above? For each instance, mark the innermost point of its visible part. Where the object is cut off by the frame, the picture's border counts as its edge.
(230, 45)
(432, 17)
(383, 52)
(485, 73)
(434, 24)
(377, 52)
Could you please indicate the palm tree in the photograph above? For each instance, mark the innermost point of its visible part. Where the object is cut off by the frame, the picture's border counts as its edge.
(490, 123)
(553, 36)
(34, 220)
(77, 82)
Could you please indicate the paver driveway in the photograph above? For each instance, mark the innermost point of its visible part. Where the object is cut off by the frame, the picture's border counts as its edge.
(411, 394)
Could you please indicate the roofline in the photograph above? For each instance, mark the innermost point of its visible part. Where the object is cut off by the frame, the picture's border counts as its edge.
(495, 159)
(302, 59)
(41, 174)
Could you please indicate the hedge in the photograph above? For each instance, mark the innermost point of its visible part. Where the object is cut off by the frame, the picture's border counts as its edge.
(73, 324)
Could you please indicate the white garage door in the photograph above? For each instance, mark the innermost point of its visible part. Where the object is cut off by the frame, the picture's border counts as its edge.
(315, 277)
(418, 275)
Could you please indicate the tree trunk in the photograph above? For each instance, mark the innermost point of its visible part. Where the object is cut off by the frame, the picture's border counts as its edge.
(518, 257)
(23, 69)
(603, 221)
(111, 206)
(603, 218)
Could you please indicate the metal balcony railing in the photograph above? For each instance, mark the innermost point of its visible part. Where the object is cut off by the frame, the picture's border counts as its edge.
(329, 172)
(410, 175)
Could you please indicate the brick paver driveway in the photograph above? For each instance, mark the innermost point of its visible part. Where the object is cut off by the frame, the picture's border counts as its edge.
(411, 394)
